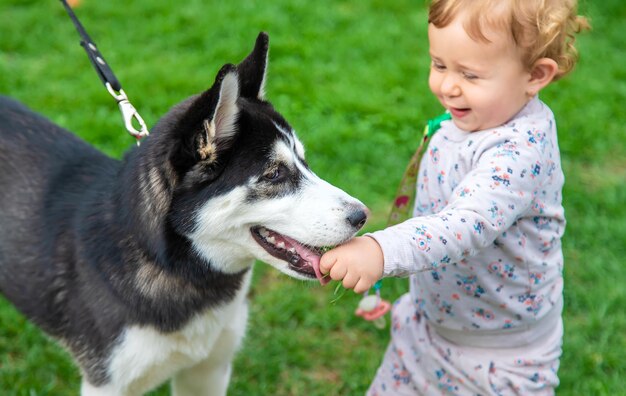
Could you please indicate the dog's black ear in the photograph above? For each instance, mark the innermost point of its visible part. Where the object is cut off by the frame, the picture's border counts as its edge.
(209, 124)
(220, 126)
(252, 70)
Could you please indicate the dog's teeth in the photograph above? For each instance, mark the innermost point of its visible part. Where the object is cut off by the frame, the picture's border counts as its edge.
(292, 250)
(271, 240)
(264, 232)
(280, 245)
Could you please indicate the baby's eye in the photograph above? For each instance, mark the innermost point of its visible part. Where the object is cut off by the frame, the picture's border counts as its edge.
(469, 76)
(438, 66)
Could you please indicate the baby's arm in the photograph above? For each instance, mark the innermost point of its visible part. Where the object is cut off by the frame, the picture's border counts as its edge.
(501, 188)
(359, 262)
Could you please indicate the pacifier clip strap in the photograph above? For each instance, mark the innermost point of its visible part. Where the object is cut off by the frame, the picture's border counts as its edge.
(402, 207)
(372, 307)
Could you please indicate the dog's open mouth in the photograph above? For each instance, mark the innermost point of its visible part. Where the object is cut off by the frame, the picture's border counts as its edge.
(301, 258)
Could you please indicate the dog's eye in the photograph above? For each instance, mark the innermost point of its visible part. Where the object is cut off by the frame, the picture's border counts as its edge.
(274, 175)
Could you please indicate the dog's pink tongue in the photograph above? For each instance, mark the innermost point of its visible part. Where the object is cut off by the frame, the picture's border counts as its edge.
(314, 260)
(310, 257)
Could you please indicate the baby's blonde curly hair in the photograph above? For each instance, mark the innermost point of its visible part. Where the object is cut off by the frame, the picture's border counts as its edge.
(540, 28)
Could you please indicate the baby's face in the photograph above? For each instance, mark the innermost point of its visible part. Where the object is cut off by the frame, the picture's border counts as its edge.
(482, 84)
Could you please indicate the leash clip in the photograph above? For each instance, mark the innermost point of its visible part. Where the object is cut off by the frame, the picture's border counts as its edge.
(129, 113)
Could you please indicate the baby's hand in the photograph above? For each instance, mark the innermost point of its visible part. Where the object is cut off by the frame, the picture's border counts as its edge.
(358, 262)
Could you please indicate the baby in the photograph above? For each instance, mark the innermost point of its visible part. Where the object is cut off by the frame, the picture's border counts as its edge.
(483, 250)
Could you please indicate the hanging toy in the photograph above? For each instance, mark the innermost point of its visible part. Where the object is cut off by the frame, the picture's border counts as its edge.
(373, 308)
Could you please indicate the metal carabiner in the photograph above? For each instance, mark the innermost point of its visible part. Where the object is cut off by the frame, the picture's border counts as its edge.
(128, 113)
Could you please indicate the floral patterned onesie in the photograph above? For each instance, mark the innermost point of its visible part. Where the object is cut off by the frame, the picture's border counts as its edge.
(483, 315)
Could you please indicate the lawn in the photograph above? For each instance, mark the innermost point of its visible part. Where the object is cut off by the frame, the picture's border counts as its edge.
(351, 77)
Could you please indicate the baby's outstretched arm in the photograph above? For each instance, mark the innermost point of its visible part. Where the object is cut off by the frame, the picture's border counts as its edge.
(358, 263)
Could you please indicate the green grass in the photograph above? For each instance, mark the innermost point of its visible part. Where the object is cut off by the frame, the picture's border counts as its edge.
(351, 76)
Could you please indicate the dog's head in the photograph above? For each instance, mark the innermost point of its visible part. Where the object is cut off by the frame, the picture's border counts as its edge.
(239, 185)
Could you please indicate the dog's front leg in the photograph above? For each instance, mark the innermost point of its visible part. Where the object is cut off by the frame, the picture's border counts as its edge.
(208, 378)
(211, 376)
(87, 389)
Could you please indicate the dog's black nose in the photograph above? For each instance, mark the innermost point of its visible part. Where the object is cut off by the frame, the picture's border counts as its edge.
(357, 218)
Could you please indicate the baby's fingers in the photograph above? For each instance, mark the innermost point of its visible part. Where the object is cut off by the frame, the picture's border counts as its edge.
(327, 262)
(362, 286)
(350, 280)
(338, 272)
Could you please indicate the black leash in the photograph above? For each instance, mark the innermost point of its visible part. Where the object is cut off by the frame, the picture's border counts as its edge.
(109, 80)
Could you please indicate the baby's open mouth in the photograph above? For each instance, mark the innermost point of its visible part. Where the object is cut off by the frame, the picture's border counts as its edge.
(300, 257)
(458, 112)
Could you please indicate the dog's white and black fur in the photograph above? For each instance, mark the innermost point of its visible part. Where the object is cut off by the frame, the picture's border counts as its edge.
(141, 267)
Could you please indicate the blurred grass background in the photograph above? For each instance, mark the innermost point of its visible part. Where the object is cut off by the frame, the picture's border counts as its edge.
(351, 77)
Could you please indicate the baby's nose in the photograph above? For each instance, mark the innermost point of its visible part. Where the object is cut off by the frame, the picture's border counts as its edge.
(450, 86)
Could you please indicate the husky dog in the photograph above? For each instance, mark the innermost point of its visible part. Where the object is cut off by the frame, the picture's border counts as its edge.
(140, 268)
